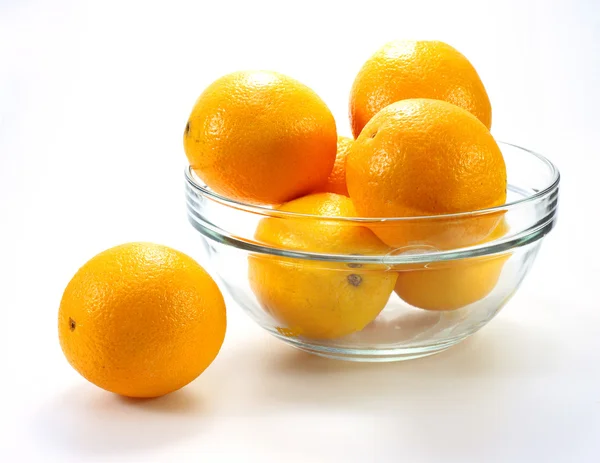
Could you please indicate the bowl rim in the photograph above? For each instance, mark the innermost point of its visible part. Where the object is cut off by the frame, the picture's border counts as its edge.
(269, 211)
(396, 256)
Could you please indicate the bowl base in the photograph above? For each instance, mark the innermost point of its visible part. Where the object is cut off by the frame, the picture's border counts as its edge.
(382, 354)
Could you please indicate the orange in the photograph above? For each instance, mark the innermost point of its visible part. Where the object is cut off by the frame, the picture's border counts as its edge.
(141, 320)
(320, 299)
(336, 182)
(454, 284)
(416, 69)
(260, 137)
(424, 157)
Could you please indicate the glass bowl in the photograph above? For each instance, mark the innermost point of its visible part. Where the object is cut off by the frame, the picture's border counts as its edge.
(442, 279)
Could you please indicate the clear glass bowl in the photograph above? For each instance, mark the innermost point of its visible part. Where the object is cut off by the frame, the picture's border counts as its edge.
(445, 278)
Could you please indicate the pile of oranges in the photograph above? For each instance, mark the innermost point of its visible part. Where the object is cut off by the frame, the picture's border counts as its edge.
(143, 320)
(421, 146)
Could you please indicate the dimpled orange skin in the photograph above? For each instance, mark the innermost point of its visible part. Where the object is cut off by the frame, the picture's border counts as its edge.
(416, 69)
(424, 157)
(317, 299)
(454, 284)
(260, 137)
(336, 182)
(141, 320)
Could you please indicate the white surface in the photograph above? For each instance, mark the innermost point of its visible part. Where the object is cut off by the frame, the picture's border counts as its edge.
(93, 101)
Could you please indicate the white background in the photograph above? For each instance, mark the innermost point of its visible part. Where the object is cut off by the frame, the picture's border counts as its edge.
(94, 97)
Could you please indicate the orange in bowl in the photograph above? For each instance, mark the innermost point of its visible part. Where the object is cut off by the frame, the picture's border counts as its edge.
(417, 69)
(336, 182)
(423, 157)
(453, 284)
(260, 137)
(312, 298)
